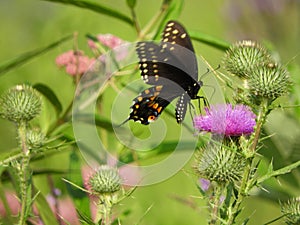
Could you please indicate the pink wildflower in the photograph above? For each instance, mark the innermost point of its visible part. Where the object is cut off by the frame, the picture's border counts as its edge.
(76, 62)
(110, 40)
(227, 120)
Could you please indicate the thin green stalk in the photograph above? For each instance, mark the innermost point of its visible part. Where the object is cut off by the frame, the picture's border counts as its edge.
(152, 22)
(135, 21)
(24, 174)
(107, 211)
(215, 206)
(104, 210)
(261, 118)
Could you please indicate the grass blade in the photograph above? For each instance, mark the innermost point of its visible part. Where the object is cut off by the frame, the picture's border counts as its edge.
(172, 13)
(209, 40)
(278, 172)
(50, 95)
(44, 209)
(27, 56)
(96, 7)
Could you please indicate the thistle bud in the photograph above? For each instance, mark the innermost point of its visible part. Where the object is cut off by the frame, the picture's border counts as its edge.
(35, 139)
(20, 104)
(105, 180)
(220, 164)
(241, 59)
(269, 81)
(291, 211)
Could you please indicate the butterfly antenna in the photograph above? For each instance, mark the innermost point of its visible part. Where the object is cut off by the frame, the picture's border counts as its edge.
(123, 122)
(208, 71)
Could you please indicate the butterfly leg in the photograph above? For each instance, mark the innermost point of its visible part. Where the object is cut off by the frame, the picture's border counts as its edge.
(192, 110)
(205, 102)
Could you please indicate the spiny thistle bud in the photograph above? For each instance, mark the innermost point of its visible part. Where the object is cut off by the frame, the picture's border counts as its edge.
(269, 81)
(35, 138)
(20, 104)
(220, 164)
(105, 180)
(291, 210)
(241, 58)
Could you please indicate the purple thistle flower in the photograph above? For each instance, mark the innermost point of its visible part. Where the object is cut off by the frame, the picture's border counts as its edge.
(226, 120)
(204, 184)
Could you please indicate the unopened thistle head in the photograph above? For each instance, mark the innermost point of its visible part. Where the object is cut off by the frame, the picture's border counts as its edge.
(291, 211)
(269, 81)
(20, 104)
(105, 180)
(220, 164)
(241, 58)
(35, 138)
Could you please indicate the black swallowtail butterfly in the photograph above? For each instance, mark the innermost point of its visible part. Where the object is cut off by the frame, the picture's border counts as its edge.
(171, 67)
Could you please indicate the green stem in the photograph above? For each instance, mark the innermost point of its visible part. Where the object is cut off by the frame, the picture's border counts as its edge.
(135, 21)
(215, 206)
(153, 21)
(107, 212)
(243, 191)
(104, 210)
(24, 174)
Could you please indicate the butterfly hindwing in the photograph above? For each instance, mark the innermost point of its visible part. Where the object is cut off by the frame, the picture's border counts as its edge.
(181, 107)
(149, 105)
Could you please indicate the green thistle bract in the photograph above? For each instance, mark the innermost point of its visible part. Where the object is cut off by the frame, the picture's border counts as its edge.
(105, 180)
(269, 81)
(220, 164)
(20, 104)
(35, 138)
(291, 210)
(241, 58)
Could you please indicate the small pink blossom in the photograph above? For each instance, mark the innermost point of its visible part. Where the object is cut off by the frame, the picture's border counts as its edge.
(75, 62)
(117, 45)
(65, 58)
(92, 44)
(227, 120)
(109, 40)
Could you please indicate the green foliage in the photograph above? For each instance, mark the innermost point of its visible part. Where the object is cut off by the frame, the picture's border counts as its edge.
(50, 150)
(50, 95)
(27, 56)
(96, 7)
(44, 209)
(209, 40)
(131, 3)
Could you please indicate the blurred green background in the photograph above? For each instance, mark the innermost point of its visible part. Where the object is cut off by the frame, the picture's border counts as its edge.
(30, 24)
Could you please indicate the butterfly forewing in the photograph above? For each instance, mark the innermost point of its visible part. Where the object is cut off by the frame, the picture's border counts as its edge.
(171, 67)
(176, 40)
(151, 66)
(176, 34)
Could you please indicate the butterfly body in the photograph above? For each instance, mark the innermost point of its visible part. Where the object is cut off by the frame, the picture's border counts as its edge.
(171, 67)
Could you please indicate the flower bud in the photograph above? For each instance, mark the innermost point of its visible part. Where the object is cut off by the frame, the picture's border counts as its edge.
(220, 164)
(291, 211)
(20, 104)
(35, 138)
(241, 59)
(105, 180)
(269, 81)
